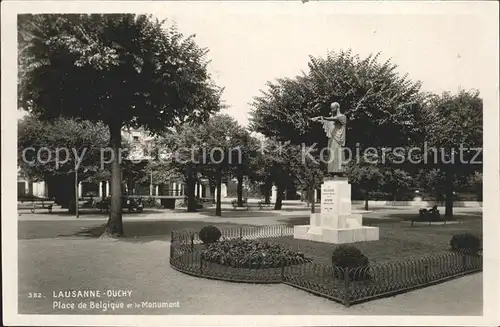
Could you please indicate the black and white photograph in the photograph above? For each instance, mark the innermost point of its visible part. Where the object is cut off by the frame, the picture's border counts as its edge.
(288, 163)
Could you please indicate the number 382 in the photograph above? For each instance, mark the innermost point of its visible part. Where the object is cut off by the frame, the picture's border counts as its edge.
(35, 295)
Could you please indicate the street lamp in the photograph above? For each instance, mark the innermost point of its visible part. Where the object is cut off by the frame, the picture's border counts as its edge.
(76, 191)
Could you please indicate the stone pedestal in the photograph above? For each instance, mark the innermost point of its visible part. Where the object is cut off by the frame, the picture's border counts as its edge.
(335, 223)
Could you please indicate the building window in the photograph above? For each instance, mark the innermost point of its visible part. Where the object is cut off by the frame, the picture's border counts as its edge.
(136, 138)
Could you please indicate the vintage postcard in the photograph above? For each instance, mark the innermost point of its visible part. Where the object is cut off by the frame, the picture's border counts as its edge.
(288, 163)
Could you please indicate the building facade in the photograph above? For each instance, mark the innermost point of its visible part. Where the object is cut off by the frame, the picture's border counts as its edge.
(140, 142)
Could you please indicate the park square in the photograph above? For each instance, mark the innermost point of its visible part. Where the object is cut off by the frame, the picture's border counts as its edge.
(160, 175)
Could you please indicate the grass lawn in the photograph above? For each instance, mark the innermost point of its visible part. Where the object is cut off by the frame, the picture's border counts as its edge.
(142, 231)
(397, 241)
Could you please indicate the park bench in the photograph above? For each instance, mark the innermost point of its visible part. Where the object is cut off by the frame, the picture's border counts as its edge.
(40, 204)
(265, 204)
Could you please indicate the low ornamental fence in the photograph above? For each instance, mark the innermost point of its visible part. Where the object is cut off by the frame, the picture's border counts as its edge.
(344, 285)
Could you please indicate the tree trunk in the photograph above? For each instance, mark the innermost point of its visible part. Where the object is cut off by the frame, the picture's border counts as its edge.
(114, 227)
(267, 192)
(103, 189)
(448, 202)
(310, 194)
(218, 210)
(366, 201)
(190, 191)
(279, 198)
(72, 193)
(239, 189)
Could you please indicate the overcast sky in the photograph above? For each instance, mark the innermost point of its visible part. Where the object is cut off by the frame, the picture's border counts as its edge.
(445, 45)
(250, 47)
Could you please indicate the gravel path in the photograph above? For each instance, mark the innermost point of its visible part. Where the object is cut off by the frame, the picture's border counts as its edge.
(142, 267)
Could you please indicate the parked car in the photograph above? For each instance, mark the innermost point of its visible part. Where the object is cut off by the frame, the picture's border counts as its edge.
(131, 204)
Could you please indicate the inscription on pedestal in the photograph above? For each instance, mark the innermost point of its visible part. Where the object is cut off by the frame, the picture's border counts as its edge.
(336, 223)
(328, 200)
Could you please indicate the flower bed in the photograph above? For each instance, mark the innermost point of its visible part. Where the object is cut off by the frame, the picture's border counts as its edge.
(252, 254)
(264, 255)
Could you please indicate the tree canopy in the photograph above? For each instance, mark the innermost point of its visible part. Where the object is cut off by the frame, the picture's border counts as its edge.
(119, 69)
(386, 111)
(57, 144)
(381, 105)
(114, 67)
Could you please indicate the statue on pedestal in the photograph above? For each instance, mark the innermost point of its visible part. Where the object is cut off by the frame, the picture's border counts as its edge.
(335, 129)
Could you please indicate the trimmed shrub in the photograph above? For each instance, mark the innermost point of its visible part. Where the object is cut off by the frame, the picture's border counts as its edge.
(429, 215)
(349, 257)
(251, 254)
(209, 234)
(465, 242)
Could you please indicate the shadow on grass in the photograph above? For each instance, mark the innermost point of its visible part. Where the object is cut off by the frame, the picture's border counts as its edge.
(238, 213)
(147, 231)
(366, 221)
(90, 212)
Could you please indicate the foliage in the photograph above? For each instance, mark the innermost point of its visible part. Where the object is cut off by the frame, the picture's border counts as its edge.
(384, 196)
(348, 256)
(151, 202)
(102, 67)
(382, 107)
(217, 148)
(119, 69)
(465, 242)
(307, 170)
(251, 254)
(272, 162)
(397, 181)
(209, 234)
(453, 135)
(81, 136)
(366, 177)
(286, 166)
(452, 120)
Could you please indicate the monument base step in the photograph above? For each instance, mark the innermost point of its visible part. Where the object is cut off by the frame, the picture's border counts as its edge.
(336, 236)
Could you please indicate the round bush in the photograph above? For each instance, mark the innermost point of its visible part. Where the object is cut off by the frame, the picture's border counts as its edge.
(251, 254)
(465, 242)
(209, 234)
(350, 258)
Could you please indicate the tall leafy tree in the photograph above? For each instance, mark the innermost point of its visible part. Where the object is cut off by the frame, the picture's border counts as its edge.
(308, 173)
(453, 139)
(275, 163)
(183, 150)
(381, 105)
(55, 150)
(366, 177)
(119, 69)
(227, 151)
(396, 181)
(213, 150)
